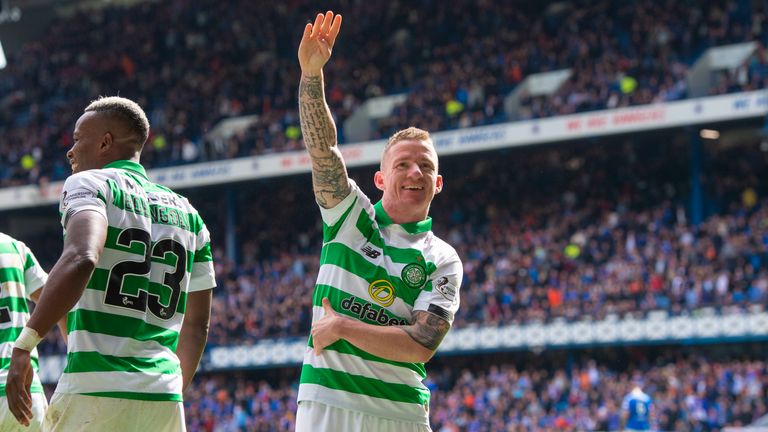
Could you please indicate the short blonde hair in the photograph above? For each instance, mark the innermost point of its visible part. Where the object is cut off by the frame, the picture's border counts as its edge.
(126, 111)
(411, 133)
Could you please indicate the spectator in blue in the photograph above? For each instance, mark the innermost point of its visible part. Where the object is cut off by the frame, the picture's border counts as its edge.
(636, 409)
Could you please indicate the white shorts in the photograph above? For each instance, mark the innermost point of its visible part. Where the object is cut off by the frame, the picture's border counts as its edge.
(74, 412)
(8, 422)
(318, 417)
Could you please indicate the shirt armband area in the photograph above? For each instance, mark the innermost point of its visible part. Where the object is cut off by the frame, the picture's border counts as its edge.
(444, 298)
(440, 312)
(83, 191)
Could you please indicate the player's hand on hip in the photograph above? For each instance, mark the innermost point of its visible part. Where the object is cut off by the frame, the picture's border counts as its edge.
(18, 384)
(317, 43)
(325, 331)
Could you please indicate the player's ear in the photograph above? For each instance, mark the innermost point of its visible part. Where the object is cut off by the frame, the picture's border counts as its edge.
(106, 141)
(438, 184)
(378, 180)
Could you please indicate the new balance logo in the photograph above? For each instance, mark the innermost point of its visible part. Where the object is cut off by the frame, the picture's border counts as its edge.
(370, 252)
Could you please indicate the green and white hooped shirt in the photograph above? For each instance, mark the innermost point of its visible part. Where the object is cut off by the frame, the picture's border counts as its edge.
(20, 276)
(124, 329)
(377, 272)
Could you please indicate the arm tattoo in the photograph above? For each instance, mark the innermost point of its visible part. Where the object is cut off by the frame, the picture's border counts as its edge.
(329, 178)
(311, 87)
(329, 175)
(428, 329)
(317, 125)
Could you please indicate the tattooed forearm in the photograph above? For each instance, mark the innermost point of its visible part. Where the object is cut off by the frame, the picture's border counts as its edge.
(428, 329)
(317, 125)
(329, 175)
(311, 87)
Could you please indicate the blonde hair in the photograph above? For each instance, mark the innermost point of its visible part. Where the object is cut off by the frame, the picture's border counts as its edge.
(126, 111)
(411, 133)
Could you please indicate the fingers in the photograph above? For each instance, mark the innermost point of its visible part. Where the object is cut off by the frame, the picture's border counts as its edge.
(323, 333)
(317, 27)
(317, 344)
(334, 31)
(20, 404)
(327, 23)
(326, 27)
(18, 382)
(327, 306)
(26, 407)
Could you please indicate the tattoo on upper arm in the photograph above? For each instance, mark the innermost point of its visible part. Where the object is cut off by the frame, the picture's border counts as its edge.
(428, 329)
(329, 175)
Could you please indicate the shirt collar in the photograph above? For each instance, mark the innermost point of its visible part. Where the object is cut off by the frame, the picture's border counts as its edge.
(411, 227)
(128, 165)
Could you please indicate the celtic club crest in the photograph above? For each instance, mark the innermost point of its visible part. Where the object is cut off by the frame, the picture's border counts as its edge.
(414, 275)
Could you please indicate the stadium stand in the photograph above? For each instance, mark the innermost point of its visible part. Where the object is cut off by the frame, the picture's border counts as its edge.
(568, 248)
(604, 232)
(191, 73)
(692, 392)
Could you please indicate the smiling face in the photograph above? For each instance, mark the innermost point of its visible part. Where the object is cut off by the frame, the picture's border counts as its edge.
(89, 136)
(112, 128)
(409, 179)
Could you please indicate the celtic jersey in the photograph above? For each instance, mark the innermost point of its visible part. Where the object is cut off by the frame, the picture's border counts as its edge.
(377, 272)
(20, 276)
(124, 329)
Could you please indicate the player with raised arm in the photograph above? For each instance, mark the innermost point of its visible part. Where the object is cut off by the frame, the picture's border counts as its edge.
(21, 278)
(135, 279)
(387, 289)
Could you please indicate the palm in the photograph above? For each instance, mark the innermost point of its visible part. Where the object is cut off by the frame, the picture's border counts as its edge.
(314, 54)
(317, 43)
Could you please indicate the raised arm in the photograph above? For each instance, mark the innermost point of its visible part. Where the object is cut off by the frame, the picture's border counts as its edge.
(329, 175)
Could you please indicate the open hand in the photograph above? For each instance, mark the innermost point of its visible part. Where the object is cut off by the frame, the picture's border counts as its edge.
(317, 43)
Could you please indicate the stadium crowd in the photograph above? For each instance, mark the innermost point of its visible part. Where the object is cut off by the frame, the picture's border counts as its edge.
(567, 248)
(192, 64)
(606, 229)
(689, 394)
(572, 247)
